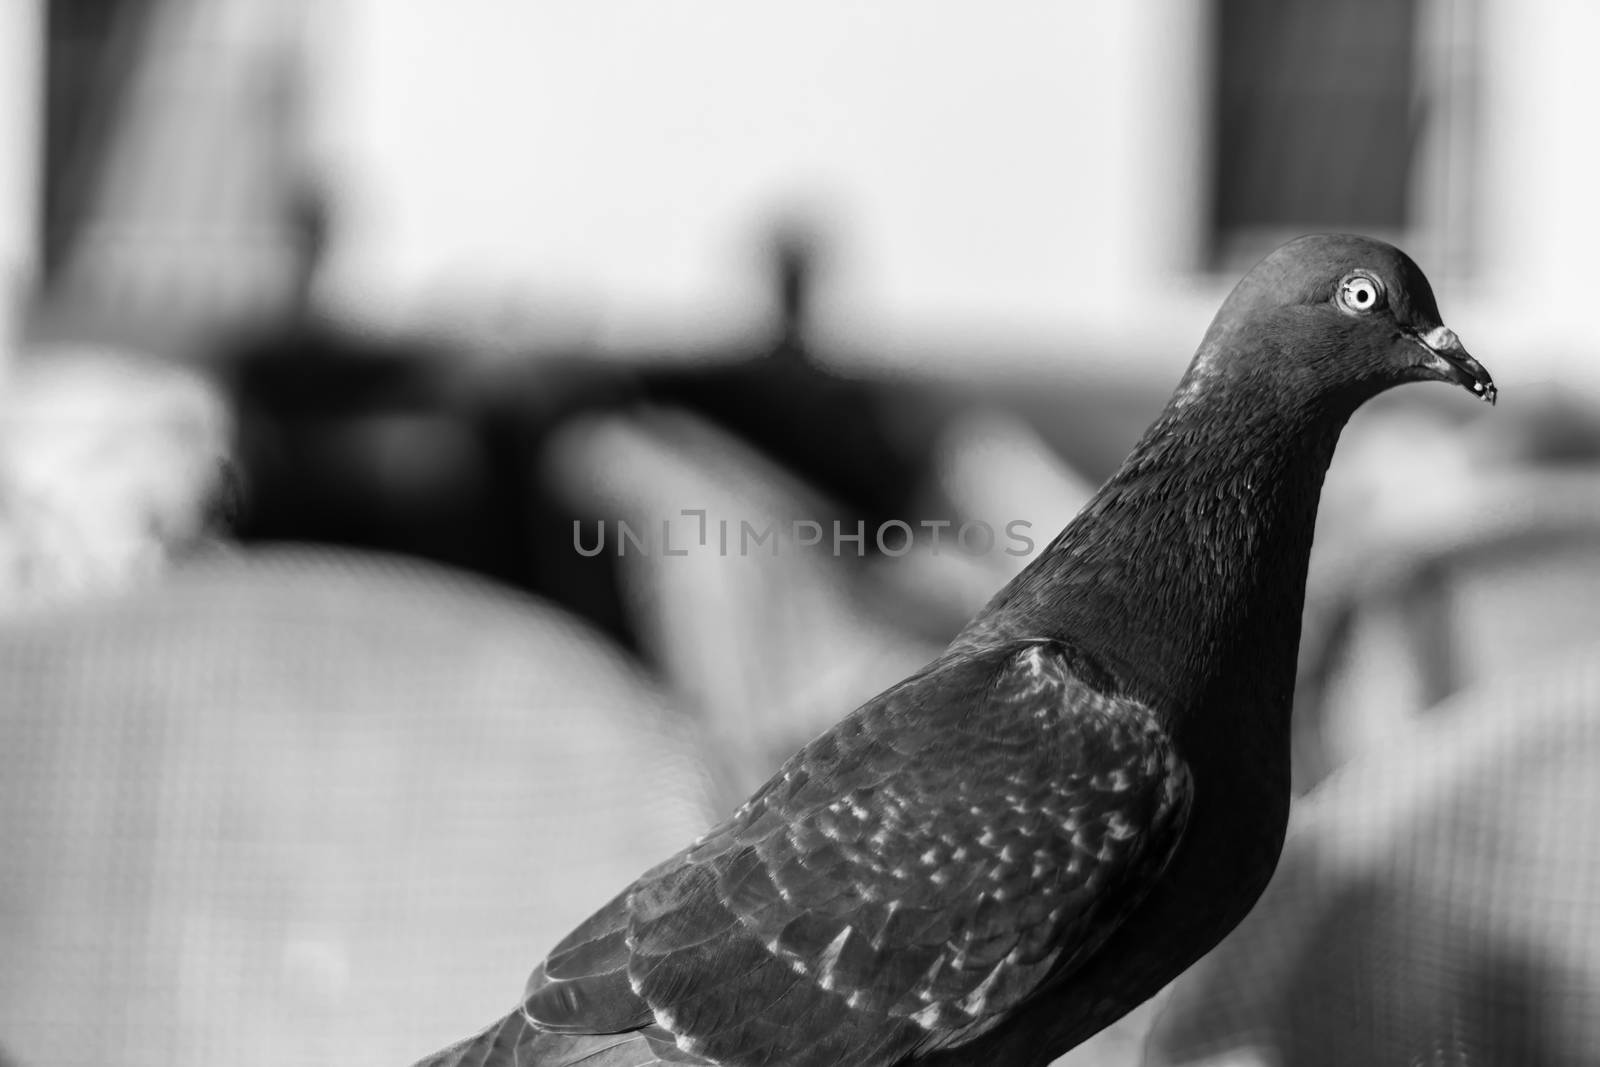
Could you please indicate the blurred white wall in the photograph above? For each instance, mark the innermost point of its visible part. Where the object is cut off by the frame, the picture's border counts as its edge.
(21, 80)
(1540, 171)
(1034, 171)
(1008, 167)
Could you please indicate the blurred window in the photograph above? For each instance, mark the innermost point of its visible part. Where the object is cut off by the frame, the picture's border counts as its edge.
(1342, 115)
(92, 47)
(173, 147)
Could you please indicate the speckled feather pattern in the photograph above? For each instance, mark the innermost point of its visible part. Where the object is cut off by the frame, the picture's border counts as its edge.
(906, 879)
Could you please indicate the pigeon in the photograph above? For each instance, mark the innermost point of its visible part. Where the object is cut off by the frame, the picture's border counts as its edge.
(1012, 848)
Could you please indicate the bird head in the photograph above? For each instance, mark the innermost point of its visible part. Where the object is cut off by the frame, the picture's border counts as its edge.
(1337, 318)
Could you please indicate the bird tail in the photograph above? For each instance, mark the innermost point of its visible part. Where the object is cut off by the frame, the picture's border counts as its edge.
(515, 1042)
(505, 1042)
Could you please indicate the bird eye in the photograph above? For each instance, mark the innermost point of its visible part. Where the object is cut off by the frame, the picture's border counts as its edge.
(1360, 292)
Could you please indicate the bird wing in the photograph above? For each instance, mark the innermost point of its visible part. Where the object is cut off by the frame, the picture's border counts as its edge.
(905, 881)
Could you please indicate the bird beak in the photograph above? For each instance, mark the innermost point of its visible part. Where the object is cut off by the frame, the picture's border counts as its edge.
(1450, 362)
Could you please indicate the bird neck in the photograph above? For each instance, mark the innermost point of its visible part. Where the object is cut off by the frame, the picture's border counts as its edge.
(1184, 577)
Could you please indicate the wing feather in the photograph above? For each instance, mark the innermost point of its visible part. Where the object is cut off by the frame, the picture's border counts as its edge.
(908, 879)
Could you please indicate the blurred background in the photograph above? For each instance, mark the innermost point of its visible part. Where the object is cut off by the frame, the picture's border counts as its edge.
(450, 453)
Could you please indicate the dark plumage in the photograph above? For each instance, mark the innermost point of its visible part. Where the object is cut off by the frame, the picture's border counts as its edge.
(1009, 850)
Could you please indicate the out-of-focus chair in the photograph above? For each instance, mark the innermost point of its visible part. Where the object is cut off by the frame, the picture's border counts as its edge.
(1438, 901)
(770, 640)
(1433, 575)
(306, 808)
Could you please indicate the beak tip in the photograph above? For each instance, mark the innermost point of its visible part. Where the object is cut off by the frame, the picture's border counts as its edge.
(1453, 362)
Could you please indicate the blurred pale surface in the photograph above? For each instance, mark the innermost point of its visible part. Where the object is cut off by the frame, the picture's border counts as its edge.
(311, 808)
(1438, 902)
(111, 462)
(1442, 561)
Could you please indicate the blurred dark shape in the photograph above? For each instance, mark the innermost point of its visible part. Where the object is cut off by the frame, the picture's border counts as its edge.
(356, 442)
(312, 807)
(406, 446)
(308, 221)
(1438, 901)
(795, 261)
(388, 442)
(1316, 117)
